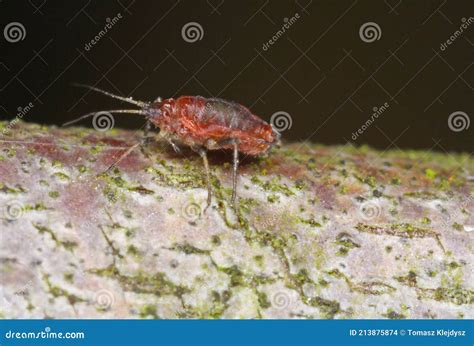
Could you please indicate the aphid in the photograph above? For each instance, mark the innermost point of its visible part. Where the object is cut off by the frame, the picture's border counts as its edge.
(203, 124)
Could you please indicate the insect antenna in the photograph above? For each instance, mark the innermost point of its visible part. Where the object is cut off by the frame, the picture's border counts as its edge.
(125, 99)
(126, 111)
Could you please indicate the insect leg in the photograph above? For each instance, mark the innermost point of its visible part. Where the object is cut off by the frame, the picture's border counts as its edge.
(129, 150)
(203, 154)
(146, 139)
(234, 172)
(147, 128)
(173, 145)
(146, 133)
(169, 138)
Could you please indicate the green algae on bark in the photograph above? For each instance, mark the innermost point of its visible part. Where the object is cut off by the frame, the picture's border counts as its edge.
(318, 231)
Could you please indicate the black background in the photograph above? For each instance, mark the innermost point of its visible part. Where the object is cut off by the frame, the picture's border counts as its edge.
(320, 71)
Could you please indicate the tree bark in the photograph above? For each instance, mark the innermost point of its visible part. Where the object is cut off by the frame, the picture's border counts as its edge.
(317, 232)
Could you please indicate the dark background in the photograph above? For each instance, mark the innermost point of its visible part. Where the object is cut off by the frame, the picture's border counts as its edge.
(320, 71)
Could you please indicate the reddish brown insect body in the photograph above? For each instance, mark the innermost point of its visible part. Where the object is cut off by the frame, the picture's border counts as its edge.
(213, 124)
(204, 124)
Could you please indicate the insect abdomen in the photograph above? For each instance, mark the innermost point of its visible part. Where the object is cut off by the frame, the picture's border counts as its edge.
(198, 121)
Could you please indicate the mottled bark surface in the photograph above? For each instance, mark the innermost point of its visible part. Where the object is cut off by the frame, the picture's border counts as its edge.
(319, 232)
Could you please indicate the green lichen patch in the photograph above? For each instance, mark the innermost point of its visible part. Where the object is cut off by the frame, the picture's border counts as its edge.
(82, 169)
(68, 277)
(61, 176)
(188, 249)
(57, 292)
(310, 222)
(430, 173)
(240, 278)
(364, 287)
(409, 280)
(185, 180)
(216, 240)
(373, 287)
(259, 260)
(220, 302)
(53, 194)
(113, 249)
(402, 230)
(35, 207)
(455, 295)
(344, 239)
(147, 311)
(151, 283)
(4, 188)
(301, 278)
(393, 315)
(426, 195)
(133, 251)
(68, 245)
(274, 185)
(263, 300)
(328, 308)
(141, 190)
(116, 186)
